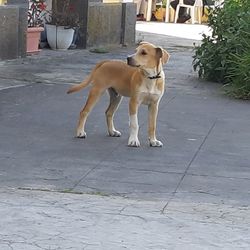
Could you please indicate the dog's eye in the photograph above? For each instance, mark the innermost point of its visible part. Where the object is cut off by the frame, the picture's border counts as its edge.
(143, 52)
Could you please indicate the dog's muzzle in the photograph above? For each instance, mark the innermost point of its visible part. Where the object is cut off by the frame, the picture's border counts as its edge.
(131, 61)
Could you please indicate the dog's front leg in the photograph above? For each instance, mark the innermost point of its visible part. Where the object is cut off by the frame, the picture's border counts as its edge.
(153, 112)
(133, 140)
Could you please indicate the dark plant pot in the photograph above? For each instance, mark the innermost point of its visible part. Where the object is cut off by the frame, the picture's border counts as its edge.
(44, 36)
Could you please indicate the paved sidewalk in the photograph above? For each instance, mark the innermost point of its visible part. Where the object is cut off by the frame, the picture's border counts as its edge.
(45, 220)
(59, 192)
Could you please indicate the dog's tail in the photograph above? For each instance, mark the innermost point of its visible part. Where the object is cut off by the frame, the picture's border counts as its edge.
(87, 81)
(80, 86)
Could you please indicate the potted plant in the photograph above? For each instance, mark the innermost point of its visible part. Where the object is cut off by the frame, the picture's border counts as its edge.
(35, 22)
(61, 24)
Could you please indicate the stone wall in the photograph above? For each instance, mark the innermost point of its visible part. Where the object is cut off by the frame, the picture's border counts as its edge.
(128, 23)
(9, 17)
(13, 28)
(111, 24)
(104, 24)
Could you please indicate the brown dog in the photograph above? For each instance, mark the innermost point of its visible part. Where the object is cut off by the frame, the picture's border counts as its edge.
(142, 79)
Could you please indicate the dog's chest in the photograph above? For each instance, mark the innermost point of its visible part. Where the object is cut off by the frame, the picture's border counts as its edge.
(149, 91)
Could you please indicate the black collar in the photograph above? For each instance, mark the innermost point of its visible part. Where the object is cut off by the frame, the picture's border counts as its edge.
(155, 77)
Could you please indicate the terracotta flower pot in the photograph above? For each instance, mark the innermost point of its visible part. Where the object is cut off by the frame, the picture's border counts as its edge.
(33, 39)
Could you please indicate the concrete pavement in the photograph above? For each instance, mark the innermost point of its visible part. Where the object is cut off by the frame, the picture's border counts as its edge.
(58, 192)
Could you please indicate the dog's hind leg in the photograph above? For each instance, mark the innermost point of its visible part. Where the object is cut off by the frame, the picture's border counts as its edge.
(115, 100)
(94, 95)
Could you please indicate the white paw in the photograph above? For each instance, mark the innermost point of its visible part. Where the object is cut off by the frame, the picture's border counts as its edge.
(133, 142)
(155, 143)
(81, 134)
(115, 133)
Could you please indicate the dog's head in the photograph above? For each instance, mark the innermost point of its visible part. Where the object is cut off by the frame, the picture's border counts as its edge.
(148, 56)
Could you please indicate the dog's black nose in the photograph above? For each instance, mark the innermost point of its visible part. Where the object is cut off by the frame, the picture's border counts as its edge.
(129, 59)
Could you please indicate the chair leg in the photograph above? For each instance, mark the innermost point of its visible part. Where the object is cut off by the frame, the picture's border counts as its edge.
(199, 15)
(176, 13)
(192, 14)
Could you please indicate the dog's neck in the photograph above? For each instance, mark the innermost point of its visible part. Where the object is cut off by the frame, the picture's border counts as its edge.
(152, 73)
(155, 76)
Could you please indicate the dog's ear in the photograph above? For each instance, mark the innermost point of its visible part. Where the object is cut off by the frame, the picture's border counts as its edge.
(159, 52)
(163, 54)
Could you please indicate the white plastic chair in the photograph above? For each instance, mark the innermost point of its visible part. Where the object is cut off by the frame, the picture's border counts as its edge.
(197, 4)
(159, 3)
(216, 3)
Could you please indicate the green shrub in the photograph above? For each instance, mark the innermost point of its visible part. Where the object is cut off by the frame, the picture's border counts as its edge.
(224, 56)
(239, 76)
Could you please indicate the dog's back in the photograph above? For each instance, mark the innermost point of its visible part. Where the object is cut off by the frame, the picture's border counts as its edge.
(109, 73)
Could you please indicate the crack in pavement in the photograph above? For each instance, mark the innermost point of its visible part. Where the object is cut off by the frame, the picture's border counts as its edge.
(188, 166)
